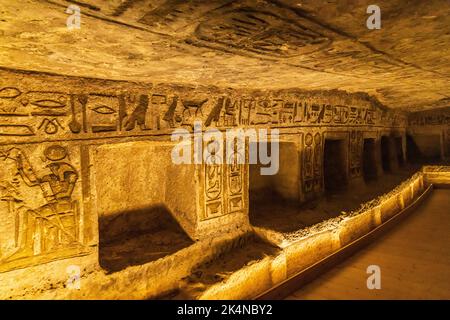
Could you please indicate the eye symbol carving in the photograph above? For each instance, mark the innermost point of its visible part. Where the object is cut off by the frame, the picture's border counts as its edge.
(9, 93)
(103, 110)
(48, 104)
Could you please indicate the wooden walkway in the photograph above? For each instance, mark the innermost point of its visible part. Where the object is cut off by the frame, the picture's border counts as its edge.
(414, 259)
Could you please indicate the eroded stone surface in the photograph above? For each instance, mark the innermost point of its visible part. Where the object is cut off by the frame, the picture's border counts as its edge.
(307, 44)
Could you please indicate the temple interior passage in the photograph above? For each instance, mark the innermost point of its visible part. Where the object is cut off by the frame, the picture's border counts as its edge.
(167, 149)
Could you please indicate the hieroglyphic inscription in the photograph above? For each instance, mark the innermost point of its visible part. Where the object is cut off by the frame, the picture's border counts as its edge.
(430, 117)
(312, 164)
(355, 149)
(224, 185)
(46, 108)
(47, 114)
(214, 185)
(281, 112)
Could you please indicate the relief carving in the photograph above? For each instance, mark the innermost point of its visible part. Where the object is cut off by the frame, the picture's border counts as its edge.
(213, 176)
(262, 31)
(41, 215)
(224, 184)
(46, 108)
(235, 179)
(308, 168)
(356, 147)
(312, 164)
(430, 117)
(318, 162)
(57, 114)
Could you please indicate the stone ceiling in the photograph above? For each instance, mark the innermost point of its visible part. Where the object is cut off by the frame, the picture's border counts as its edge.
(271, 44)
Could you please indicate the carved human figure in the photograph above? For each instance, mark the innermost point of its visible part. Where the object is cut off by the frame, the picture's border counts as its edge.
(213, 172)
(54, 222)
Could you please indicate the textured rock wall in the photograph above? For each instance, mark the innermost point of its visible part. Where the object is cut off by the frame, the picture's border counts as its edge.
(430, 131)
(76, 150)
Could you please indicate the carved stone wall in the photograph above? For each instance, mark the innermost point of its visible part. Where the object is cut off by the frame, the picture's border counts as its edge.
(58, 135)
(429, 123)
(43, 216)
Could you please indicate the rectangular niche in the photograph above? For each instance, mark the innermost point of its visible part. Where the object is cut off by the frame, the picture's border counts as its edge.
(334, 165)
(427, 146)
(399, 150)
(269, 191)
(369, 159)
(386, 154)
(142, 197)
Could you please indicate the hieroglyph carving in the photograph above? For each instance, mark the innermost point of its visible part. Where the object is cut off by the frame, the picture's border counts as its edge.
(224, 184)
(312, 164)
(48, 114)
(355, 148)
(430, 117)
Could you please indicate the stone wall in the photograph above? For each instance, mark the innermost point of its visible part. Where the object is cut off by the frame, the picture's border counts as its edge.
(74, 151)
(430, 131)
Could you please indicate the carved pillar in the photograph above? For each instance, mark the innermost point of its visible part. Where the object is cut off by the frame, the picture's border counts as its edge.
(224, 194)
(312, 165)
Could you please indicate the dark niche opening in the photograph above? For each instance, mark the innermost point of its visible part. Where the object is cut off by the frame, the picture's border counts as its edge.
(414, 155)
(271, 195)
(369, 160)
(138, 201)
(385, 154)
(334, 165)
(399, 149)
(139, 236)
(423, 148)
